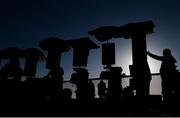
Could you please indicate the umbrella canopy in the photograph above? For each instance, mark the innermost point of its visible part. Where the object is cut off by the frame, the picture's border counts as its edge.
(54, 43)
(104, 33)
(34, 53)
(11, 52)
(84, 42)
(126, 31)
(129, 29)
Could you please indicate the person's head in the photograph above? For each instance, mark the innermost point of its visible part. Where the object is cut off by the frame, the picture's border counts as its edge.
(101, 81)
(90, 81)
(166, 52)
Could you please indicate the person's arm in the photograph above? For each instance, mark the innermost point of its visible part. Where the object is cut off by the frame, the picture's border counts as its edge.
(155, 56)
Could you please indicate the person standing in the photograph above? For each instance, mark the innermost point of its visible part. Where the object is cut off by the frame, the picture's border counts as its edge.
(102, 89)
(167, 72)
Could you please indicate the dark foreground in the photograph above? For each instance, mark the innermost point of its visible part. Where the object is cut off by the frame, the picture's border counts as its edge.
(37, 99)
(133, 106)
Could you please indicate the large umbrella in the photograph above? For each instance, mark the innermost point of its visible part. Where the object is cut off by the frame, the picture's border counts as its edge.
(83, 42)
(32, 55)
(13, 54)
(81, 48)
(55, 46)
(108, 32)
(54, 42)
(127, 31)
(104, 33)
(10, 52)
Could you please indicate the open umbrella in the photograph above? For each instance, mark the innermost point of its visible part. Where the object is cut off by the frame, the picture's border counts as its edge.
(54, 42)
(32, 55)
(10, 52)
(83, 42)
(55, 46)
(129, 30)
(105, 33)
(81, 48)
(13, 54)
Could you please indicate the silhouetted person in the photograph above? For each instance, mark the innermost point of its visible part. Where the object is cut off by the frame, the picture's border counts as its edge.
(167, 71)
(67, 94)
(80, 78)
(91, 89)
(102, 89)
(56, 80)
(127, 92)
(114, 83)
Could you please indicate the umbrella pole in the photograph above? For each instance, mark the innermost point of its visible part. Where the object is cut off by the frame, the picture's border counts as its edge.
(141, 68)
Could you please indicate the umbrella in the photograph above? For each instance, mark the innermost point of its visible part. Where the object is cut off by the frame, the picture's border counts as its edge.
(10, 52)
(54, 43)
(55, 46)
(83, 42)
(81, 48)
(108, 32)
(32, 55)
(130, 29)
(104, 33)
(13, 53)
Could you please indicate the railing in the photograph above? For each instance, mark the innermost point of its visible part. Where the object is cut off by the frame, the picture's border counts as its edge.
(155, 86)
